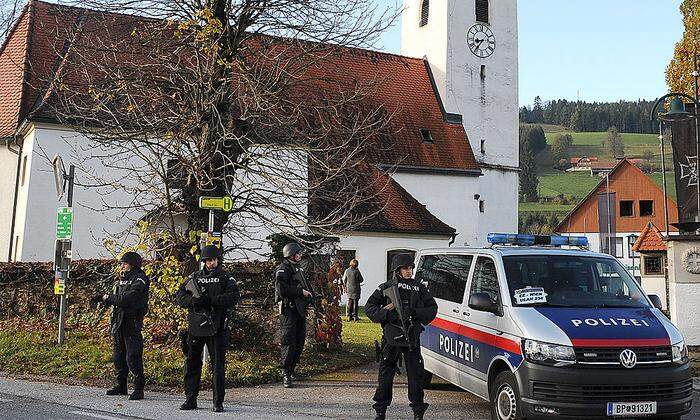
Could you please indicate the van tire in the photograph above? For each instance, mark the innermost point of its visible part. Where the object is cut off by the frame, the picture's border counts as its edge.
(505, 398)
(427, 379)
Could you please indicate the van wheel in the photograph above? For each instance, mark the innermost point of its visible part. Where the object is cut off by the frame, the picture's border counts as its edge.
(427, 379)
(505, 399)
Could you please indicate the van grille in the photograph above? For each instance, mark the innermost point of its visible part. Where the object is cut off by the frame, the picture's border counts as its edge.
(549, 391)
(611, 356)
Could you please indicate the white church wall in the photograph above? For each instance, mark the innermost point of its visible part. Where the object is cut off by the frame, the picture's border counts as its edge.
(499, 192)
(8, 174)
(36, 222)
(371, 252)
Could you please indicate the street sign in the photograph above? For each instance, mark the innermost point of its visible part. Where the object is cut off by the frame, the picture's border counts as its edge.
(216, 203)
(59, 283)
(211, 238)
(64, 223)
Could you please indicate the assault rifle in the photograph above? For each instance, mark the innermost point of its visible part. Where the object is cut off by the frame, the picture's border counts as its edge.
(392, 293)
(315, 299)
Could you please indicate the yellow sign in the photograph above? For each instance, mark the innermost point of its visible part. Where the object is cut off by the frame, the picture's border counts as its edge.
(216, 203)
(59, 285)
(211, 239)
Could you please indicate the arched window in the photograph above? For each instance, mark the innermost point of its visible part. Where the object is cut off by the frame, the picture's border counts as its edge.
(482, 11)
(424, 12)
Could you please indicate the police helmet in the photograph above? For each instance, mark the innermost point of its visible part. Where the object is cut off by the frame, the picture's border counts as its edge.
(402, 260)
(291, 249)
(132, 259)
(210, 252)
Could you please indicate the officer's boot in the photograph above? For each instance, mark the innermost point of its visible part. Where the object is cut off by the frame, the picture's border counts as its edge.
(189, 404)
(419, 411)
(381, 414)
(119, 389)
(138, 389)
(287, 380)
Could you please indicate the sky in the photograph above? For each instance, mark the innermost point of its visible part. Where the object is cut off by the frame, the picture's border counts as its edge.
(595, 50)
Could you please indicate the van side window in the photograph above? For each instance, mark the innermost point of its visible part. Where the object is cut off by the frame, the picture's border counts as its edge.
(485, 279)
(446, 275)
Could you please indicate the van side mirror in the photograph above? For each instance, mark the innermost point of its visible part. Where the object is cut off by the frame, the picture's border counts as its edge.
(656, 301)
(482, 302)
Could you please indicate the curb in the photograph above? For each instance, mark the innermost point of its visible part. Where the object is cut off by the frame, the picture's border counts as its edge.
(696, 383)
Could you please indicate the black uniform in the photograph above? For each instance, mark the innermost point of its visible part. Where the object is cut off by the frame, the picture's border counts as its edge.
(418, 304)
(288, 291)
(130, 302)
(220, 293)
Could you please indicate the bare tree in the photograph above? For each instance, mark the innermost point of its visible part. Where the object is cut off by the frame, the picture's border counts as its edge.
(248, 98)
(9, 11)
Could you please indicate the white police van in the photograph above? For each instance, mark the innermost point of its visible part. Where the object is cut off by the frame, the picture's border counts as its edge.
(546, 332)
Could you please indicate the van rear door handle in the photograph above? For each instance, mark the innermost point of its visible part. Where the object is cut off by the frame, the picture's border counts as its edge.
(455, 310)
(465, 313)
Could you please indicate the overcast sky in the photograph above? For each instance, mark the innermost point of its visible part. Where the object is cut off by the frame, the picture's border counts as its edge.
(597, 50)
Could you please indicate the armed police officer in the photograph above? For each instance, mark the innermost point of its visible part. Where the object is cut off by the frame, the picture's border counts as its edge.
(402, 305)
(130, 304)
(208, 295)
(293, 300)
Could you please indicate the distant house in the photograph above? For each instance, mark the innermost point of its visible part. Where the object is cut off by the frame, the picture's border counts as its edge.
(582, 163)
(652, 248)
(636, 201)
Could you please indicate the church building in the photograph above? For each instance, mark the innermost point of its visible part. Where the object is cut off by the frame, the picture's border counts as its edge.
(454, 89)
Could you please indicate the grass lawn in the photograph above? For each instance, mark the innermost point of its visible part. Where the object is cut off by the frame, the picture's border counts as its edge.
(29, 348)
(554, 182)
(547, 207)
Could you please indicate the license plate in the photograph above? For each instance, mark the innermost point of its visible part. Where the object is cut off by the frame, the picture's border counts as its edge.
(631, 409)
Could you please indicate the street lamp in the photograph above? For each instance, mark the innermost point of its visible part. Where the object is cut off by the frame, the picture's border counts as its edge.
(677, 113)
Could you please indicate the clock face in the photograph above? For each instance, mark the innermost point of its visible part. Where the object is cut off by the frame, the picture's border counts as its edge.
(481, 40)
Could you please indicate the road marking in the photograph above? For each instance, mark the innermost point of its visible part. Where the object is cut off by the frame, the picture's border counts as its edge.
(94, 416)
(5, 400)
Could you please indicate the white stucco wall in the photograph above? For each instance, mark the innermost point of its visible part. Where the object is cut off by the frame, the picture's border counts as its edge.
(655, 285)
(684, 291)
(36, 222)
(8, 173)
(371, 252)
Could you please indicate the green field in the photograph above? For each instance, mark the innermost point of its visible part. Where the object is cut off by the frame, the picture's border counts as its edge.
(577, 184)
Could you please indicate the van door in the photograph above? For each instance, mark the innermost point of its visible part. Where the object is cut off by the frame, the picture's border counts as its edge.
(446, 277)
(481, 328)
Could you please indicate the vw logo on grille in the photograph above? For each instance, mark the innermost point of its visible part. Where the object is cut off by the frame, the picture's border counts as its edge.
(628, 358)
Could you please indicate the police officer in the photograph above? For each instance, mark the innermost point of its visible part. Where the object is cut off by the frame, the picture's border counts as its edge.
(218, 293)
(293, 301)
(130, 302)
(420, 309)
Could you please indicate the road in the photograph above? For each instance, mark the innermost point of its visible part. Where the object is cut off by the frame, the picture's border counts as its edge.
(338, 396)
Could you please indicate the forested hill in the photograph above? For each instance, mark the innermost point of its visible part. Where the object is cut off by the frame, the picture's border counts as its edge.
(626, 116)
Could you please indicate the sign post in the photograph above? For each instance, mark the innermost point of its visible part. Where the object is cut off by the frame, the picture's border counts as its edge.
(64, 244)
(212, 204)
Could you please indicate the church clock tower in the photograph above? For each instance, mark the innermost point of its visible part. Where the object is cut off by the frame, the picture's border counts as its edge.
(472, 49)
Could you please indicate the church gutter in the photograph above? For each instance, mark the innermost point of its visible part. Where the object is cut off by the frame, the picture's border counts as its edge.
(430, 170)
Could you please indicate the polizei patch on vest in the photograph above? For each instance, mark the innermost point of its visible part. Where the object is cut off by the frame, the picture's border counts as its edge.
(459, 348)
(530, 295)
(610, 322)
(407, 286)
(208, 280)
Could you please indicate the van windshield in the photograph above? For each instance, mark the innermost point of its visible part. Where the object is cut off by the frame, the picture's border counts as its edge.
(571, 281)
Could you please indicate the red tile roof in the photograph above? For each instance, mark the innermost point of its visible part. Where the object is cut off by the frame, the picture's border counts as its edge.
(404, 88)
(31, 58)
(650, 240)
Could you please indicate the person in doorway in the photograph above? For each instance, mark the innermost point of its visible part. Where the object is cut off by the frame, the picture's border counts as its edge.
(130, 304)
(293, 301)
(352, 280)
(208, 295)
(401, 338)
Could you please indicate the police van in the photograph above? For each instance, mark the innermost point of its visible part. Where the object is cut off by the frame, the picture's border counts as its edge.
(543, 331)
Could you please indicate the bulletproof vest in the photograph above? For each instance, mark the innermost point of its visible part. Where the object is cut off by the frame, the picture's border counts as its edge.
(406, 288)
(211, 283)
(125, 283)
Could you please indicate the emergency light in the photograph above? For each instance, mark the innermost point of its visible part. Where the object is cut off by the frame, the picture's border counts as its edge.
(527, 239)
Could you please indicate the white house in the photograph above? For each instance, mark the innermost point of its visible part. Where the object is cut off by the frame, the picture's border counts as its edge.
(454, 91)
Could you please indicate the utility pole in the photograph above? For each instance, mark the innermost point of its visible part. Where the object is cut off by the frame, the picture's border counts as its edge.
(64, 250)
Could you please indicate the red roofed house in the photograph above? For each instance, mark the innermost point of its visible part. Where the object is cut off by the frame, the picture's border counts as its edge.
(455, 103)
(637, 201)
(652, 249)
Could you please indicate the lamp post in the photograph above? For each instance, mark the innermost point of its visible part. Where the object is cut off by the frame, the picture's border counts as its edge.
(677, 113)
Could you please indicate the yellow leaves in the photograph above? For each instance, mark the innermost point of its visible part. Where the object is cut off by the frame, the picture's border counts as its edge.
(679, 71)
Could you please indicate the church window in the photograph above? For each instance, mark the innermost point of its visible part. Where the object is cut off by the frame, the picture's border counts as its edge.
(482, 11)
(481, 206)
(426, 135)
(424, 12)
(483, 146)
(483, 71)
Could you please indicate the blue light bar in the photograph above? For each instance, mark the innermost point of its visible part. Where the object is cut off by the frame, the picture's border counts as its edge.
(526, 239)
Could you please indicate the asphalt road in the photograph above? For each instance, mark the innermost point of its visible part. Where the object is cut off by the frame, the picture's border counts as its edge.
(338, 396)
